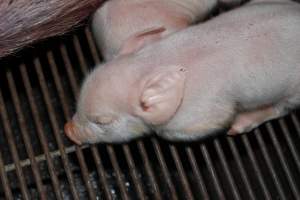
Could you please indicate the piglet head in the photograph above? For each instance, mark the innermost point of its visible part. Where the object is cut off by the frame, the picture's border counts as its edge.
(117, 106)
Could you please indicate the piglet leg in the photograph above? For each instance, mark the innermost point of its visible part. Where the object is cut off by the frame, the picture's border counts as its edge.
(246, 122)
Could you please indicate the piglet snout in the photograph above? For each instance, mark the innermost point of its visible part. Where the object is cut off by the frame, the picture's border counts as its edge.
(70, 131)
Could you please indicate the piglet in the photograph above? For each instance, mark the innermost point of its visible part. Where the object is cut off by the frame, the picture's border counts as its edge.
(122, 27)
(233, 72)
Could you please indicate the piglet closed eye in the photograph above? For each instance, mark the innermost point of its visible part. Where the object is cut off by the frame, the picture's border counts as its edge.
(232, 73)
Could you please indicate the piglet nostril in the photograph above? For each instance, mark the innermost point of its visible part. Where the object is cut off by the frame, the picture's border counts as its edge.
(68, 128)
(70, 132)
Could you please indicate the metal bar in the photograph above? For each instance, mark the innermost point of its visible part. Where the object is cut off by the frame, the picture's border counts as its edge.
(41, 158)
(4, 180)
(256, 168)
(228, 174)
(212, 171)
(141, 147)
(133, 172)
(84, 69)
(56, 128)
(182, 175)
(63, 101)
(25, 135)
(92, 46)
(291, 145)
(101, 173)
(75, 90)
(241, 168)
(40, 132)
(283, 161)
(85, 173)
(82, 63)
(68, 67)
(13, 148)
(296, 123)
(269, 163)
(58, 85)
(197, 173)
(117, 169)
(164, 168)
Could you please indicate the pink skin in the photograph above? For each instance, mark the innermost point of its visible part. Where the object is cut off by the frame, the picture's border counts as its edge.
(122, 27)
(225, 73)
(69, 130)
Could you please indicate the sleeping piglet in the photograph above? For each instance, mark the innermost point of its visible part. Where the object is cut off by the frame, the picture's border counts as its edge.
(233, 72)
(122, 27)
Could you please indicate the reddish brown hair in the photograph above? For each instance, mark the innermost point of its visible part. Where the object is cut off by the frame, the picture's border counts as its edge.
(25, 21)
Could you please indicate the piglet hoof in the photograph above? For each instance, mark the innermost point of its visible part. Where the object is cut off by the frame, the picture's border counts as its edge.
(233, 132)
(237, 130)
(71, 133)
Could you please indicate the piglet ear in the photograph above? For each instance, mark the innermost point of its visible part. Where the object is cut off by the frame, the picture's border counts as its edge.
(162, 95)
(137, 41)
